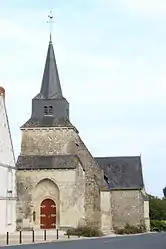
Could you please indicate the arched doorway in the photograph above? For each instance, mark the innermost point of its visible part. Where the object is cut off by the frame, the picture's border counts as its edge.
(48, 214)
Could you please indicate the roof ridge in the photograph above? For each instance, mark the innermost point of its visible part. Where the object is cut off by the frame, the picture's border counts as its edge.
(118, 157)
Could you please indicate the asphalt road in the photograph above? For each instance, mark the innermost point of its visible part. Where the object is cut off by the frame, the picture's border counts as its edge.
(145, 241)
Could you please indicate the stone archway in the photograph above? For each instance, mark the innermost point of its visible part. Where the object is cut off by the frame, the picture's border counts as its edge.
(47, 214)
(46, 193)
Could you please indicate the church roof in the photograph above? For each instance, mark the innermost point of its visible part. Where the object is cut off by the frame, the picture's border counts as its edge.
(122, 172)
(51, 87)
(47, 121)
(119, 172)
(49, 107)
(47, 162)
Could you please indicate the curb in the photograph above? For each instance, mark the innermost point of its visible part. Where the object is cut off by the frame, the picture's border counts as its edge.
(80, 238)
(43, 242)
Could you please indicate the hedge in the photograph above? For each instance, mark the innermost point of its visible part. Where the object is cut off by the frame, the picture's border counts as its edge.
(157, 225)
(85, 232)
(130, 229)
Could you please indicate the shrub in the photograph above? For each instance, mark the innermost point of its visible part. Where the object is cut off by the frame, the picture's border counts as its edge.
(157, 225)
(85, 232)
(157, 208)
(130, 229)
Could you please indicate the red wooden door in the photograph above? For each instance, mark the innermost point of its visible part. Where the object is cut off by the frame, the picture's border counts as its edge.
(48, 214)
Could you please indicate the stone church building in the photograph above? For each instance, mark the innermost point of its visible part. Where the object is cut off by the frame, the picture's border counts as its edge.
(59, 183)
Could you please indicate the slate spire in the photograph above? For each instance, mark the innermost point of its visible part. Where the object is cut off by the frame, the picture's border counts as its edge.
(51, 87)
(49, 107)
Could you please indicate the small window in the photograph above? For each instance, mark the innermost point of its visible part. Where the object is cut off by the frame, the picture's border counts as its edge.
(34, 216)
(50, 110)
(45, 110)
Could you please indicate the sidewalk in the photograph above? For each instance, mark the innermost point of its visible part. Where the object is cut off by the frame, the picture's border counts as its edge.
(27, 237)
(51, 236)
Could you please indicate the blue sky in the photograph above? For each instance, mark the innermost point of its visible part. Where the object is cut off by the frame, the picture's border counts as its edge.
(111, 56)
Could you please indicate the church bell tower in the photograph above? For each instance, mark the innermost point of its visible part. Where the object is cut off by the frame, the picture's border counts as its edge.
(49, 107)
(54, 166)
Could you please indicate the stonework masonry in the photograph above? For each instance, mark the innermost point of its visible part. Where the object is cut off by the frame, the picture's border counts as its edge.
(127, 207)
(106, 215)
(146, 215)
(65, 187)
(76, 192)
(58, 141)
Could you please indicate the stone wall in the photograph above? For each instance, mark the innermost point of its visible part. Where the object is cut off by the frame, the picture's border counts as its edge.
(24, 198)
(47, 141)
(146, 215)
(127, 207)
(65, 187)
(106, 215)
(62, 141)
(93, 181)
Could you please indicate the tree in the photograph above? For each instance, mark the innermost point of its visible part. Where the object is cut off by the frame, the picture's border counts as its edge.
(164, 192)
(157, 208)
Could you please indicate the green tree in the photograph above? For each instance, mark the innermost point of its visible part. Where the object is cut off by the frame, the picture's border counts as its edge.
(157, 208)
(164, 192)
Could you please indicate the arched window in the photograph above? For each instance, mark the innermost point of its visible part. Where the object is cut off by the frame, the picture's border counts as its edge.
(50, 112)
(45, 110)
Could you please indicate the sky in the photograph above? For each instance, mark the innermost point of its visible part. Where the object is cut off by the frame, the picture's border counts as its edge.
(111, 56)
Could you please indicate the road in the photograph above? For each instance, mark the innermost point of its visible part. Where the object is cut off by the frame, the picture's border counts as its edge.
(147, 241)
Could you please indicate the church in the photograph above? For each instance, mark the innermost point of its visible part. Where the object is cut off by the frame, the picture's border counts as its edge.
(59, 182)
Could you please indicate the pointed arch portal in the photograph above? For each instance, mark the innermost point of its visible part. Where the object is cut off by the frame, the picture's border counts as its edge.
(48, 214)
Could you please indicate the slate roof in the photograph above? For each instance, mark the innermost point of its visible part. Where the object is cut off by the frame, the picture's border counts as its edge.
(47, 121)
(51, 87)
(50, 96)
(47, 162)
(122, 172)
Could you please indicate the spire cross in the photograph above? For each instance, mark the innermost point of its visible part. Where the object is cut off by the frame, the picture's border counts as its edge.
(50, 16)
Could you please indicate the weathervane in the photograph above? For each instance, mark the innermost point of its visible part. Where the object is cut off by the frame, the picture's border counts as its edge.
(50, 16)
